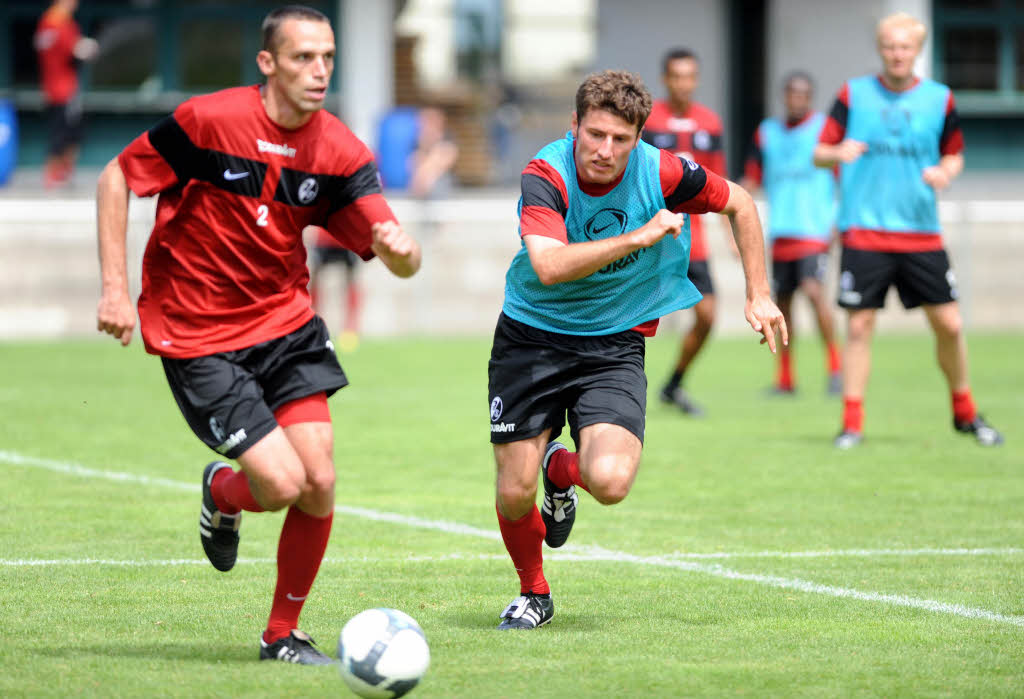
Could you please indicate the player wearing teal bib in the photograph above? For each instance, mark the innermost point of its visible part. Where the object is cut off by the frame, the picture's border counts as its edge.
(605, 249)
(898, 141)
(801, 207)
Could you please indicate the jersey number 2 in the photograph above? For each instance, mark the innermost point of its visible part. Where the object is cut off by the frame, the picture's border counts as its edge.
(261, 214)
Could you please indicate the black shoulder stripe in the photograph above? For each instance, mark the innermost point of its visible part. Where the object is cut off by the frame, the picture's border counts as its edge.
(234, 174)
(538, 191)
(343, 190)
(840, 113)
(298, 188)
(174, 146)
(690, 185)
(713, 143)
(950, 126)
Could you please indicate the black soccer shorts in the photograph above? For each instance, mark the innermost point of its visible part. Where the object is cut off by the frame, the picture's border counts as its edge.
(537, 378)
(229, 398)
(787, 275)
(920, 278)
(700, 274)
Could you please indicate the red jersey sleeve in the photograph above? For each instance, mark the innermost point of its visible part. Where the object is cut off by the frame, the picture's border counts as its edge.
(164, 156)
(952, 140)
(834, 129)
(688, 188)
(544, 202)
(356, 204)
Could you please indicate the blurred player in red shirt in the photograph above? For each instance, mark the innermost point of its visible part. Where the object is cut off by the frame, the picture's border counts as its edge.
(225, 301)
(689, 130)
(61, 46)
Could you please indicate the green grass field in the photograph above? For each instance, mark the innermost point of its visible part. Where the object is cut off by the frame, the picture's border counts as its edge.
(750, 559)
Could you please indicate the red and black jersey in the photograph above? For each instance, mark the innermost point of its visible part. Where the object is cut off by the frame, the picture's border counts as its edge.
(696, 135)
(55, 39)
(225, 266)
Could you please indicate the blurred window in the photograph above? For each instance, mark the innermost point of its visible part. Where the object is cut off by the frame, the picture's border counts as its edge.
(971, 58)
(214, 56)
(127, 52)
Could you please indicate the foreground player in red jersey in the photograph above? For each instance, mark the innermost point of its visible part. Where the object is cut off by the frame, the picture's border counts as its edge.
(690, 130)
(224, 296)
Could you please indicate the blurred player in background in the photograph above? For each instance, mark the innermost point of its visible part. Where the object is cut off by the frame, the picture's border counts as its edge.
(326, 251)
(801, 209)
(897, 140)
(61, 47)
(603, 257)
(225, 302)
(692, 131)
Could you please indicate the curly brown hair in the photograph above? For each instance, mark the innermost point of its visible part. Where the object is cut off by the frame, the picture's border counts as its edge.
(617, 91)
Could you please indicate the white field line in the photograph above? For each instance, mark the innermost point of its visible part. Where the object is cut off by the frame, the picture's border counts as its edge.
(591, 553)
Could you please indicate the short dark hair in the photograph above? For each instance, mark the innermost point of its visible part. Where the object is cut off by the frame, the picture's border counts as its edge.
(272, 22)
(796, 75)
(675, 55)
(617, 91)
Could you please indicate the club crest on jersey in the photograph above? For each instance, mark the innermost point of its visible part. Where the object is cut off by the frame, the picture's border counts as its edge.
(308, 190)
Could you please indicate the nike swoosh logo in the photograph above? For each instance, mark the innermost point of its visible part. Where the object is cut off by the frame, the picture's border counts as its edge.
(598, 230)
(228, 175)
(292, 597)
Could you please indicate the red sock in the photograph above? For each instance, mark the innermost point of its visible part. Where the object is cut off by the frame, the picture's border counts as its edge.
(564, 469)
(963, 406)
(834, 363)
(231, 492)
(785, 369)
(853, 415)
(299, 553)
(353, 302)
(523, 538)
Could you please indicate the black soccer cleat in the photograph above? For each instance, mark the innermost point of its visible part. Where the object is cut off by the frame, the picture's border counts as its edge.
(681, 399)
(559, 507)
(217, 531)
(297, 647)
(985, 434)
(527, 611)
(848, 440)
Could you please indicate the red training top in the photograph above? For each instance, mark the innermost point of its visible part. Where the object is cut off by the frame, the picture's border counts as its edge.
(696, 135)
(225, 267)
(55, 39)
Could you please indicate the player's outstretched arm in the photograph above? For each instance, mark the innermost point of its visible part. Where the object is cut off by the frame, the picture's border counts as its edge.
(761, 312)
(555, 261)
(115, 313)
(396, 249)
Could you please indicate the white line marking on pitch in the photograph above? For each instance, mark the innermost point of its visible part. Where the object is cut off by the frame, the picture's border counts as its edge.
(596, 553)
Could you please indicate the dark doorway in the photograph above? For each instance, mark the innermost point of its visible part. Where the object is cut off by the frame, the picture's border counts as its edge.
(746, 78)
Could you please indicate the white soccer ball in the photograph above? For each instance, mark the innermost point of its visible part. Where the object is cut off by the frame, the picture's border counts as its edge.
(383, 653)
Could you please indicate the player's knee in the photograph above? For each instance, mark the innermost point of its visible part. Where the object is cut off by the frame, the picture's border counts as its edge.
(610, 479)
(280, 491)
(949, 327)
(514, 495)
(321, 483)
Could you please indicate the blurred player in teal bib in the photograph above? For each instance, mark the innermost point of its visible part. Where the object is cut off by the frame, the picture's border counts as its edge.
(603, 221)
(801, 217)
(897, 141)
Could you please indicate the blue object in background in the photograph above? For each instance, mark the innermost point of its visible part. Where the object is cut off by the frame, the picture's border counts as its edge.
(397, 134)
(8, 140)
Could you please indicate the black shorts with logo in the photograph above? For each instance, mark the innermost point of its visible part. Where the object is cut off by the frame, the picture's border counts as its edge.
(229, 398)
(536, 377)
(920, 278)
(787, 275)
(700, 274)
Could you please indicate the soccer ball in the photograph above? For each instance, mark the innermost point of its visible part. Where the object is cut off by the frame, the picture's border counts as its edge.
(383, 653)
